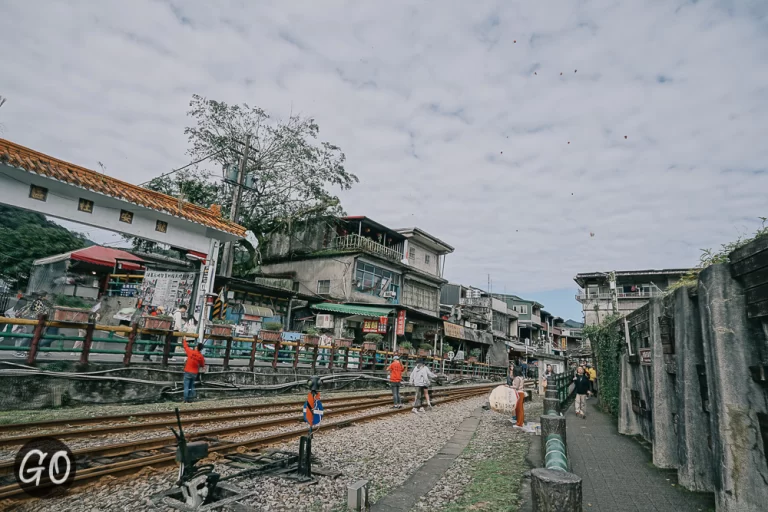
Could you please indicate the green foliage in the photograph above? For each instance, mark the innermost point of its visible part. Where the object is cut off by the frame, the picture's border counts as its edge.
(312, 331)
(68, 301)
(712, 257)
(406, 345)
(425, 346)
(373, 337)
(28, 236)
(476, 352)
(607, 344)
(272, 326)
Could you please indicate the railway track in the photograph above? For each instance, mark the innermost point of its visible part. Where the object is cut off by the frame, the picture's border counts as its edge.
(118, 459)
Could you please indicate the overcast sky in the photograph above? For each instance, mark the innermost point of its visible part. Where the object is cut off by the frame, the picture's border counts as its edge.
(541, 139)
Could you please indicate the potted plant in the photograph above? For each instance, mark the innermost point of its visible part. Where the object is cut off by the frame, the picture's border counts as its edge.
(312, 336)
(156, 323)
(220, 327)
(342, 342)
(71, 309)
(447, 349)
(371, 341)
(405, 348)
(270, 331)
(474, 354)
(425, 349)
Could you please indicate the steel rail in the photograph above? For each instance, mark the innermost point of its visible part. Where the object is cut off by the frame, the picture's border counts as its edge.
(159, 460)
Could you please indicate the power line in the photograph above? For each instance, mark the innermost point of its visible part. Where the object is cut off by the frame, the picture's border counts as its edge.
(206, 157)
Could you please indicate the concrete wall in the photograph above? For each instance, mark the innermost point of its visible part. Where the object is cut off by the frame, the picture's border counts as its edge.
(419, 259)
(697, 402)
(339, 270)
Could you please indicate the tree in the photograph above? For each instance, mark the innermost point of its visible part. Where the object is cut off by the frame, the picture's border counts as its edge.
(292, 171)
(27, 236)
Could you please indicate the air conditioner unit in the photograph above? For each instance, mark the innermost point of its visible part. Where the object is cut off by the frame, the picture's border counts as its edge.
(324, 321)
(389, 295)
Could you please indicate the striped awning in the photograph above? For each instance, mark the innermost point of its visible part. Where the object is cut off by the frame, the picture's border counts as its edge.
(350, 309)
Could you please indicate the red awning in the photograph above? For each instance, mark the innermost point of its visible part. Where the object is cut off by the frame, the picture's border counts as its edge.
(107, 257)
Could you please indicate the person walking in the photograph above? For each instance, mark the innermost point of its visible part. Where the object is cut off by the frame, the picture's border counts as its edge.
(420, 380)
(395, 374)
(581, 385)
(592, 374)
(195, 362)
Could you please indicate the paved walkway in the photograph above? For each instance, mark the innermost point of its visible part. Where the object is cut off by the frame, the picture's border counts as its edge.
(616, 471)
(405, 497)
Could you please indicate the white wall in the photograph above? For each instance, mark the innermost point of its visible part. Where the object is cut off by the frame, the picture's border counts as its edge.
(419, 260)
(62, 203)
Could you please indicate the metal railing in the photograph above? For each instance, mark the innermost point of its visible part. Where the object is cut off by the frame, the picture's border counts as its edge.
(132, 340)
(366, 244)
(621, 295)
(562, 382)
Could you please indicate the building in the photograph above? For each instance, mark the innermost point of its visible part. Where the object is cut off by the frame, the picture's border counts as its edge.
(603, 294)
(529, 319)
(393, 274)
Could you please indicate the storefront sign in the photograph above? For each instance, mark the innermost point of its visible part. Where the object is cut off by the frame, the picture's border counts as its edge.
(401, 323)
(376, 326)
(645, 356)
(409, 327)
(167, 289)
(453, 330)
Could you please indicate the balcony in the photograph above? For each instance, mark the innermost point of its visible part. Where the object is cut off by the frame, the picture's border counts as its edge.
(647, 294)
(360, 243)
(479, 302)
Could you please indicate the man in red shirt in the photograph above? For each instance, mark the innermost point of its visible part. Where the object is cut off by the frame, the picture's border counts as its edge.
(195, 361)
(395, 371)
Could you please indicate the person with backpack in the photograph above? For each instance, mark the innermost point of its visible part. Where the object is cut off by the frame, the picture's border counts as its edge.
(395, 374)
(581, 385)
(420, 380)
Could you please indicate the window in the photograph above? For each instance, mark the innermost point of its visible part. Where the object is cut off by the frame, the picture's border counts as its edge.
(523, 309)
(376, 281)
(324, 287)
(426, 259)
(421, 297)
(412, 254)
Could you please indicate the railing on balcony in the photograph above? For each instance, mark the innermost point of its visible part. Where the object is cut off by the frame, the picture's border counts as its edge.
(647, 294)
(355, 242)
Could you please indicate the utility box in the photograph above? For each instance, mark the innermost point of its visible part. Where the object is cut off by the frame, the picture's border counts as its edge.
(357, 496)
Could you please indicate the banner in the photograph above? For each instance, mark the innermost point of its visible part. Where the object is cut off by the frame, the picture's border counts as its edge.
(167, 289)
(453, 330)
(401, 323)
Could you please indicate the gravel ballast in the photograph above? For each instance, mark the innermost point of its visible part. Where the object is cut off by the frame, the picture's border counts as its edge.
(384, 451)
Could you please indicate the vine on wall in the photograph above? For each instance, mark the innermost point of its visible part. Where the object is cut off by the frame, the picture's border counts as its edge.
(607, 344)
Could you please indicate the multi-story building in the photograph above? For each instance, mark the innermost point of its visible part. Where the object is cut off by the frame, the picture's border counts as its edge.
(356, 260)
(529, 316)
(603, 293)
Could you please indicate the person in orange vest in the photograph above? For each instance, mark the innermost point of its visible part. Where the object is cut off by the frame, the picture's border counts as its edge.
(195, 361)
(395, 373)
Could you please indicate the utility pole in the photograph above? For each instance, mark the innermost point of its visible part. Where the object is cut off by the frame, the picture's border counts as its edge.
(228, 255)
(614, 292)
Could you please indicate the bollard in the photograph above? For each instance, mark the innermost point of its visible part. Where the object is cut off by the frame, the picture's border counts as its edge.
(357, 496)
(555, 457)
(555, 491)
(551, 406)
(552, 424)
(551, 393)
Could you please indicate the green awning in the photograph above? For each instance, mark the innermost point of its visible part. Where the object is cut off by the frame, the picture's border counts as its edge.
(349, 309)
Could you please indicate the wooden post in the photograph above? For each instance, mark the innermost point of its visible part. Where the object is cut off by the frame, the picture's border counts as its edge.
(551, 405)
(552, 424)
(167, 348)
(277, 351)
(38, 333)
(253, 353)
(314, 358)
(296, 355)
(555, 491)
(129, 347)
(346, 359)
(227, 352)
(88, 341)
(333, 356)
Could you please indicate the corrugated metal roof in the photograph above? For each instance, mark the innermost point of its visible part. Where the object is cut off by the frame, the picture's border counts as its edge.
(348, 309)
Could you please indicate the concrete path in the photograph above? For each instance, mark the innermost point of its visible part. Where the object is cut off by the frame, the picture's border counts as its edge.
(616, 471)
(405, 497)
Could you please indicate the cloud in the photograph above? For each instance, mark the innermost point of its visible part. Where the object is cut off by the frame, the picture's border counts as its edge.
(454, 115)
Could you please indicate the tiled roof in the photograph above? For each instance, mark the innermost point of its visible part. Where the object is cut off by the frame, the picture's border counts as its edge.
(44, 165)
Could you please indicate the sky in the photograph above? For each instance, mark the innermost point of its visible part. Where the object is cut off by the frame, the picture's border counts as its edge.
(540, 139)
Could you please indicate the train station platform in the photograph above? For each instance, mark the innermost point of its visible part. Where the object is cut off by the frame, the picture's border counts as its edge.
(617, 473)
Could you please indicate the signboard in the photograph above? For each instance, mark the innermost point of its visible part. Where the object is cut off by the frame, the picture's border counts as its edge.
(376, 326)
(453, 330)
(401, 322)
(168, 290)
(645, 356)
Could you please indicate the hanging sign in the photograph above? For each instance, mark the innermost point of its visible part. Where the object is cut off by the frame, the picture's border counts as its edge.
(313, 410)
(371, 326)
(401, 322)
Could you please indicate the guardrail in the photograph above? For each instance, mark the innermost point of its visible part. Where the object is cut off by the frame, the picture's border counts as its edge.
(131, 341)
